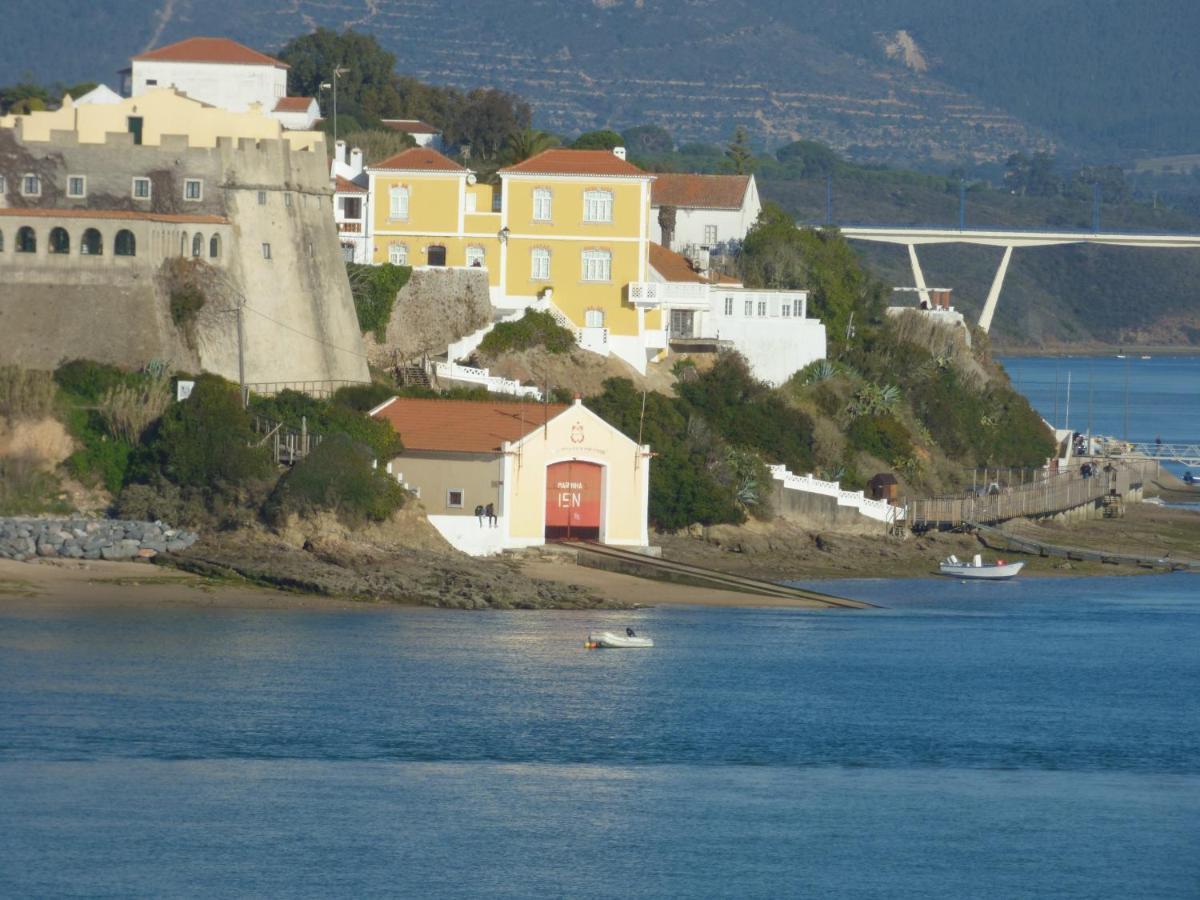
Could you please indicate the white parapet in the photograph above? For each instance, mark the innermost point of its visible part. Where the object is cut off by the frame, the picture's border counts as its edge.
(483, 377)
(464, 533)
(879, 510)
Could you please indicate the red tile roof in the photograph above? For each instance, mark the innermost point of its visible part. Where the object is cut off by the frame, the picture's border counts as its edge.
(345, 186)
(576, 162)
(293, 104)
(419, 158)
(45, 213)
(411, 126)
(671, 266)
(702, 191)
(463, 426)
(210, 50)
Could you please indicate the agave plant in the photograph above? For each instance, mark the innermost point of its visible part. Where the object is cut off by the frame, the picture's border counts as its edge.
(822, 370)
(873, 400)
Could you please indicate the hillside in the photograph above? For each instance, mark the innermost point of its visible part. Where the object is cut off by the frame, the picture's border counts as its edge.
(890, 80)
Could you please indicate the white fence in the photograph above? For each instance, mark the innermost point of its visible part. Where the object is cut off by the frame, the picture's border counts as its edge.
(879, 510)
(493, 383)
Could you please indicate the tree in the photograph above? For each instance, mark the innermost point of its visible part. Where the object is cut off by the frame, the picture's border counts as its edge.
(527, 142)
(648, 139)
(598, 140)
(365, 88)
(739, 153)
(486, 119)
(666, 221)
(376, 144)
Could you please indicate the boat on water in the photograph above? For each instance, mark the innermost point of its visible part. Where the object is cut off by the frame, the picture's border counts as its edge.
(977, 568)
(606, 640)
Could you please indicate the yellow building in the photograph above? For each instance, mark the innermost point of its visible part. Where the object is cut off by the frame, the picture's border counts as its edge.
(567, 231)
(548, 472)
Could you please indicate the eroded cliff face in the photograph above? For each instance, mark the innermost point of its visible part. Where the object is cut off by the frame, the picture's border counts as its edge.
(433, 310)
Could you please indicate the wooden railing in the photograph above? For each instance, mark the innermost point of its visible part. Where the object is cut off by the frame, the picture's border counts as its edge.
(288, 445)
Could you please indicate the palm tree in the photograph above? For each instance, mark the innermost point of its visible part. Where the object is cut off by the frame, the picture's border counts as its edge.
(526, 143)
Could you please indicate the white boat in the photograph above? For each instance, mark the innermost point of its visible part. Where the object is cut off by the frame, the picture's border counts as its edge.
(977, 568)
(606, 640)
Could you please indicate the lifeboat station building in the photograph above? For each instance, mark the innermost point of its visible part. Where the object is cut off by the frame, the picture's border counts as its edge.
(550, 472)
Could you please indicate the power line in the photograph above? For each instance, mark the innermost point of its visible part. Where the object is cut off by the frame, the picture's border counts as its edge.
(303, 334)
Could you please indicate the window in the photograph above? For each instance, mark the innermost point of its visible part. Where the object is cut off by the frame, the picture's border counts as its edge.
(748, 310)
(76, 187)
(266, 251)
(762, 307)
(125, 244)
(262, 198)
(785, 309)
(398, 203)
(351, 207)
(60, 241)
(91, 244)
(454, 498)
(31, 186)
(476, 257)
(798, 308)
(193, 189)
(151, 82)
(347, 251)
(597, 206)
(398, 254)
(26, 240)
(710, 235)
(593, 318)
(597, 265)
(542, 199)
(287, 200)
(539, 264)
(197, 245)
(729, 306)
(214, 246)
(141, 189)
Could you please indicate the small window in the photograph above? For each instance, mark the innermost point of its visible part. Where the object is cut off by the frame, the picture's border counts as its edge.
(597, 265)
(31, 186)
(470, 203)
(398, 203)
(197, 245)
(539, 264)
(454, 499)
(710, 235)
(60, 241)
(798, 308)
(593, 318)
(749, 308)
(542, 204)
(151, 82)
(476, 258)
(266, 250)
(77, 187)
(26, 240)
(729, 306)
(785, 310)
(214, 247)
(397, 254)
(287, 200)
(125, 244)
(262, 198)
(762, 307)
(597, 206)
(141, 189)
(193, 189)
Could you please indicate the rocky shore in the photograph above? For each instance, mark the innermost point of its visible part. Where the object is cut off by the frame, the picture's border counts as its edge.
(79, 538)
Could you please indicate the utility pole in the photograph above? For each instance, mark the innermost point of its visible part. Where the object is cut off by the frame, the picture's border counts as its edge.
(962, 204)
(1096, 206)
(828, 199)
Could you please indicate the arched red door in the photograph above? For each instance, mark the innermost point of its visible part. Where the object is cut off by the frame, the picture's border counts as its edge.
(573, 501)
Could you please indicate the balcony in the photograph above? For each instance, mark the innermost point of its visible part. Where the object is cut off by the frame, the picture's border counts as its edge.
(350, 227)
(676, 295)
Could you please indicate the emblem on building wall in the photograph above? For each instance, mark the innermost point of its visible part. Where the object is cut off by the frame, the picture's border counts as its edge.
(577, 433)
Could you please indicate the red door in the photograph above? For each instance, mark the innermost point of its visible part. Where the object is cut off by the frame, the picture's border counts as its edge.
(573, 501)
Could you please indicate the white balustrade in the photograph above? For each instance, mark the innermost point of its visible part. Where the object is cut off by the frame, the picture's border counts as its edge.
(494, 383)
(880, 510)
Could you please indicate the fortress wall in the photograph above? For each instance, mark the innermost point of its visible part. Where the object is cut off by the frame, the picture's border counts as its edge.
(300, 323)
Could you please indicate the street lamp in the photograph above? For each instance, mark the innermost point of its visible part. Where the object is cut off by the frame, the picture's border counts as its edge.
(325, 85)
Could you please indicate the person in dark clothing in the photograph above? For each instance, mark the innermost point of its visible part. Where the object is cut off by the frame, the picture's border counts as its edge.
(491, 514)
(629, 632)
(479, 514)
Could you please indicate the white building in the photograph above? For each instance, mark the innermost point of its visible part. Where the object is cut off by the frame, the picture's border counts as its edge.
(709, 209)
(771, 329)
(351, 203)
(423, 133)
(221, 73)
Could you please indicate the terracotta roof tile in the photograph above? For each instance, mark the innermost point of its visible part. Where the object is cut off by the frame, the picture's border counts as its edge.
(463, 426)
(46, 213)
(702, 191)
(420, 159)
(210, 50)
(411, 126)
(671, 266)
(576, 162)
(345, 186)
(293, 104)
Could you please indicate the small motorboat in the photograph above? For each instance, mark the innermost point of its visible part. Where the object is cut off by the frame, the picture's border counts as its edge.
(977, 568)
(606, 640)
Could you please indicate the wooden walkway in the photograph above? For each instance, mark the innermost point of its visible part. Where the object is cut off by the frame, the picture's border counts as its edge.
(996, 539)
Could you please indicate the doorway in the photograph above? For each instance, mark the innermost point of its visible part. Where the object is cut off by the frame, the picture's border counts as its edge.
(436, 255)
(574, 493)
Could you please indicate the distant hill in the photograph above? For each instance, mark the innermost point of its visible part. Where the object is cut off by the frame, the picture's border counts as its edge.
(912, 81)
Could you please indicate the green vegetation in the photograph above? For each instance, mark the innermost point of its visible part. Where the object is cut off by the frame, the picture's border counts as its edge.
(374, 289)
(598, 140)
(534, 329)
(343, 415)
(28, 490)
(337, 476)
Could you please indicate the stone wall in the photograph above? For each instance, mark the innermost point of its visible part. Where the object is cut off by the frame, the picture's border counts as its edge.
(436, 308)
(23, 539)
(818, 512)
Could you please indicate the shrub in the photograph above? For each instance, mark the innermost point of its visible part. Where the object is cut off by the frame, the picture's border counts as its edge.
(26, 489)
(531, 330)
(339, 416)
(882, 436)
(363, 397)
(87, 380)
(339, 476)
(129, 409)
(25, 393)
(374, 289)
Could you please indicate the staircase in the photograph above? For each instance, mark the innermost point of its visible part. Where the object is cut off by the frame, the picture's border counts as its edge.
(413, 374)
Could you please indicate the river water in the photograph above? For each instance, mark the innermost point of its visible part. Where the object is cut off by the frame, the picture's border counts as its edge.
(1033, 739)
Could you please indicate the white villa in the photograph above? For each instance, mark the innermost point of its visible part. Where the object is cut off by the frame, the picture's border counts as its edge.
(709, 209)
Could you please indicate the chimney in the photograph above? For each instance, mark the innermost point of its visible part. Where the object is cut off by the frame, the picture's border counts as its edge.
(339, 151)
(356, 165)
(619, 152)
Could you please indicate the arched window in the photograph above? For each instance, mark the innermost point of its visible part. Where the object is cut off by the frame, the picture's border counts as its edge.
(197, 244)
(26, 240)
(398, 202)
(542, 204)
(183, 244)
(125, 244)
(60, 241)
(91, 244)
(214, 246)
(476, 257)
(398, 254)
(436, 255)
(1, 241)
(539, 264)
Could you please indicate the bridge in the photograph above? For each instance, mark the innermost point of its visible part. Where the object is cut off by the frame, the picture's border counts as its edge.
(1185, 454)
(1009, 239)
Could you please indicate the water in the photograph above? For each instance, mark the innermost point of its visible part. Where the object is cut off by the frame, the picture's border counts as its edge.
(1033, 739)
(1163, 395)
